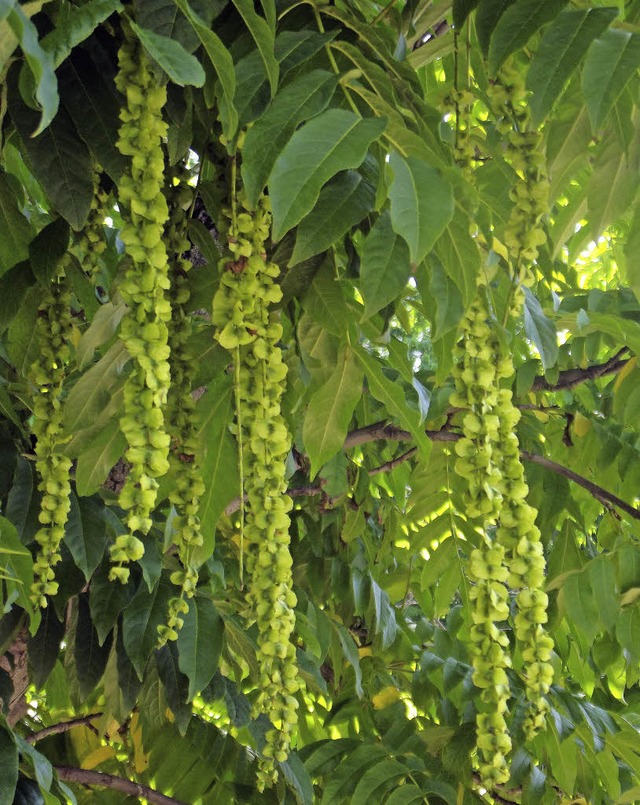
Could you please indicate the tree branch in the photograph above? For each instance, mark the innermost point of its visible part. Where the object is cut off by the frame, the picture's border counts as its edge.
(63, 726)
(606, 498)
(86, 777)
(569, 378)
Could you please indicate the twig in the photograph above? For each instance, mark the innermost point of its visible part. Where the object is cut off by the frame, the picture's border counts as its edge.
(87, 777)
(607, 498)
(63, 726)
(391, 465)
(569, 378)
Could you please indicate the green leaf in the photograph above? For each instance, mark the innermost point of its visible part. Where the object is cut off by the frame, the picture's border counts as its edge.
(59, 159)
(90, 98)
(200, 644)
(160, 17)
(42, 69)
(325, 303)
(422, 203)
(333, 141)
(17, 564)
(181, 67)
(41, 766)
(392, 397)
(603, 583)
(264, 39)
(350, 651)
(613, 183)
(222, 63)
(43, 647)
(8, 763)
(461, 10)
(90, 655)
(219, 464)
(176, 686)
(92, 393)
(95, 463)
(144, 614)
(342, 204)
(375, 782)
(15, 229)
(47, 249)
(86, 534)
(581, 606)
(610, 63)
(562, 48)
(107, 600)
(346, 776)
(540, 329)
(330, 411)
(74, 25)
(628, 630)
(517, 25)
(297, 47)
(385, 266)
(303, 98)
(487, 17)
(406, 794)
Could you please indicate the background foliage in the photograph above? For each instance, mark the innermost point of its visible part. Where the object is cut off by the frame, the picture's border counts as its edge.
(380, 238)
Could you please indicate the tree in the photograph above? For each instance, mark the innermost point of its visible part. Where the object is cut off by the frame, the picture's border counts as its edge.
(319, 455)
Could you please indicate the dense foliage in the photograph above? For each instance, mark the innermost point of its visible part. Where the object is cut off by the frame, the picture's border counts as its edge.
(319, 458)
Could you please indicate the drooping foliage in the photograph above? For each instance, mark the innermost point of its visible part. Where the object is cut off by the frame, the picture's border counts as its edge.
(319, 458)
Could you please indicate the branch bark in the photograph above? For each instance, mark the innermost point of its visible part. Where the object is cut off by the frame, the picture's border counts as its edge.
(63, 726)
(98, 778)
(569, 378)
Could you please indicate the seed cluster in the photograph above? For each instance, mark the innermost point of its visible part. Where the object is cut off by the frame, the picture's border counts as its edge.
(247, 327)
(530, 194)
(144, 329)
(91, 243)
(53, 332)
(181, 416)
(477, 375)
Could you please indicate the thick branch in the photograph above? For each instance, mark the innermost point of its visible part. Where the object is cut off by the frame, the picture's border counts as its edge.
(569, 378)
(86, 777)
(63, 726)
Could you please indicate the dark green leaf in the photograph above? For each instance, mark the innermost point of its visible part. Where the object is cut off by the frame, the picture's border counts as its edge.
(90, 655)
(17, 563)
(613, 183)
(264, 39)
(611, 62)
(342, 204)
(59, 159)
(517, 25)
(376, 781)
(333, 141)
(74, 25)
(461, 10)
(487, 16)
(86, 534)
(107, 600)
(145, 613)
(41, 765)
(200, 644)
(628, 629)
(15, 230)
(8, 763)
(301, 99)
(47, 249)
(422, 203)
(176, 684)
(41, 66)
(128, 681)
(562, 48)
(220, 59)
(385, 266)
(91, 100)
(581, 606)
(220, 461)
(540, 329)
(181, 67)
(44, 646)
